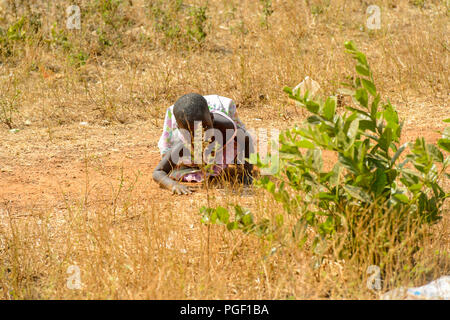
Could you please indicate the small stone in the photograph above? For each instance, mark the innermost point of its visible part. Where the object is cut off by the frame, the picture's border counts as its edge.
(15, 130)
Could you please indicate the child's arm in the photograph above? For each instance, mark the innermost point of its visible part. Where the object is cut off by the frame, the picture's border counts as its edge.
(162, 170)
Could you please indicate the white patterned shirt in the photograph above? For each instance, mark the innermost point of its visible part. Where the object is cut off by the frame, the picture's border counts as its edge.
(171, 135)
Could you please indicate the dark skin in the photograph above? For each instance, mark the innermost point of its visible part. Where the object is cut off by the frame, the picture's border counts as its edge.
(165, 166)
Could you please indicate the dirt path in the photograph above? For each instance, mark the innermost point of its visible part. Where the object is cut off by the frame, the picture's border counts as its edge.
(37, 173)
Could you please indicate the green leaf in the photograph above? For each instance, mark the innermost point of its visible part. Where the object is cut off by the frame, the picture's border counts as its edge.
(317, 159)
(222, 215)
(353, 129)
(369, 86)
(385, 139)
(398, 153)
(380, 182)
(374, 107)
(335, 178)
(362, 70)
(346, 92)
(401, 197)
(367, 125)
(350, 45)
(314, 119)
(361, 57)
(358, 193)
(288, 90)
(213, 216)
(308, 218)
(239, 211)
(326, 196)
(209, 215)
(312, 106)
(446, 133)
(247, 220)
(364, 113)
(415, 187)
(328, 227)
(232, 226)
(349, 121)
(329, 109)
(270, 186)
(435, 153)
(444, 144)
(305, 144)
(348, 164)
(362, 97)
(391, 116)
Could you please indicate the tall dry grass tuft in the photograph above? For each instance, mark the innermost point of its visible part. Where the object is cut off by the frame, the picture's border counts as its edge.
(145, 250)
(120, 53)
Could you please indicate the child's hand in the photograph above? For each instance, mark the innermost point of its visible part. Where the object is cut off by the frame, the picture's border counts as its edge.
(181, 189)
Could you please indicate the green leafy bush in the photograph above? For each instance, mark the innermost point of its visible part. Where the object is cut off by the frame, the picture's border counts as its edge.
(267, 11)
(78, 58)
(109, 11)
(180, 24)
(15, 32)
(196, 28)
(59, 38)
(24, 30)
(374, 198)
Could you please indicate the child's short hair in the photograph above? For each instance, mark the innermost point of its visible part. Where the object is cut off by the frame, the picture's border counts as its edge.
(190, 108)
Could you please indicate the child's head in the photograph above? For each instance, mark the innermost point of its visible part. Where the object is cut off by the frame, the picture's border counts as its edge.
(190, 108)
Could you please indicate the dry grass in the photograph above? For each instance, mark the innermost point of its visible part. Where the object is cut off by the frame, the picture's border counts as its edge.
(83, 195)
